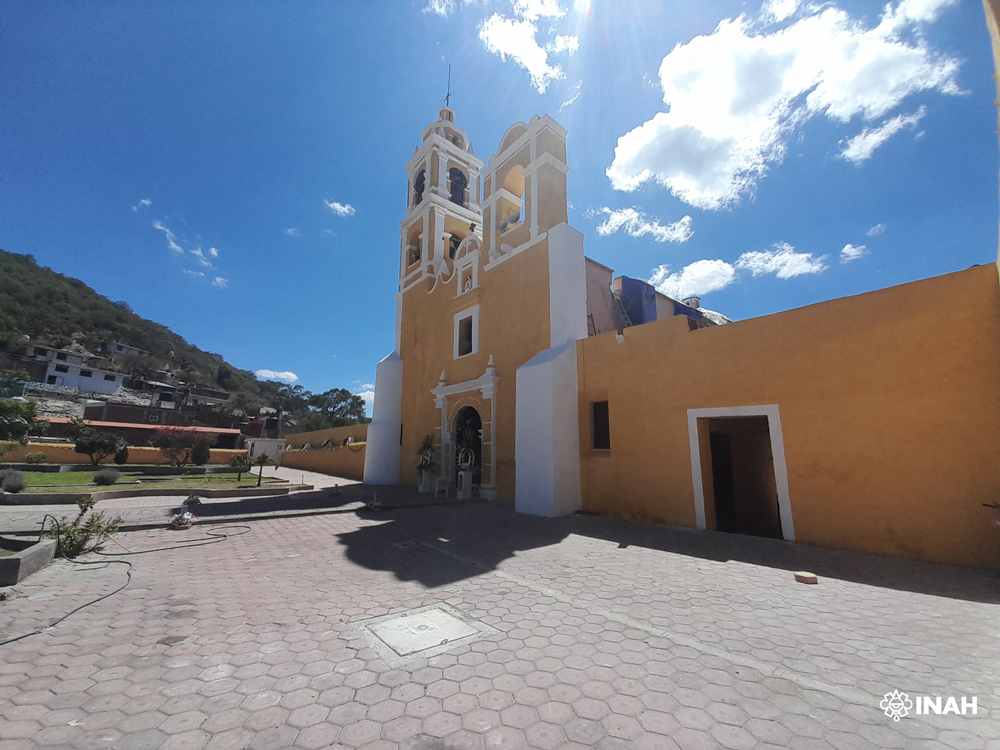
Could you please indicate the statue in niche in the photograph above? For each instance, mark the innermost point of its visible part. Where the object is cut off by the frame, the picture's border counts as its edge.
(458, 184)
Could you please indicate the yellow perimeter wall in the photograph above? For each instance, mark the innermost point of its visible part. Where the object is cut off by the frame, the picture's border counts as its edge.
(339, 462)
(888, 404)
(62, 453)
(316, 438)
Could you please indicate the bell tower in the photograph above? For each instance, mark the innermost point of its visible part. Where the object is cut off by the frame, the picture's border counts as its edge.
(442, 201)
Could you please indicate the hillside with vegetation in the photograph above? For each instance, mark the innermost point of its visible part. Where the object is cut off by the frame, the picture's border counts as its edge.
(58, 310)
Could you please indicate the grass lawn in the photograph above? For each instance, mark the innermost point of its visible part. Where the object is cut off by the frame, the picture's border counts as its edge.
(83, 481)
(5, 552)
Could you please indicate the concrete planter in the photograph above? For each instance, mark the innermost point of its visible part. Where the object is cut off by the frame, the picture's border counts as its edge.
(29, 558)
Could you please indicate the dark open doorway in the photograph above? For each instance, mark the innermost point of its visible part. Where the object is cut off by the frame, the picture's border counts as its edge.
(745, 495)
(468, 437)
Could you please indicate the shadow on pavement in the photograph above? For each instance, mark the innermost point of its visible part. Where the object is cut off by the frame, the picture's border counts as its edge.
(436, 546)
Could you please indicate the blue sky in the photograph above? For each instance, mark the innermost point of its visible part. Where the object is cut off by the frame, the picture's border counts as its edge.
(234, 170)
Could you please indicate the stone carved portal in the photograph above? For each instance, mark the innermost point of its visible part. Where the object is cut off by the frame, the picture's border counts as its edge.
(469, 404)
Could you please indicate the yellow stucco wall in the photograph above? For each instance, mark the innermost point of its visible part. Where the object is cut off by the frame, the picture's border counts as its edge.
(513, 327)
(888, 403)
(339, 462)
(316, 438)
(62, 453)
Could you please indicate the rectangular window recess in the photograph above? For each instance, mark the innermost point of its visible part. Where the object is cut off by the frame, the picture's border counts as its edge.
(62, 368)
(602, 426)
(465, 336)
(86, 374)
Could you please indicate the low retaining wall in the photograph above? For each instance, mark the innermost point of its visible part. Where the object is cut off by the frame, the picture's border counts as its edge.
(337, 435)
(346, 462)
(31, 557)
(62, 453)
(70, 498)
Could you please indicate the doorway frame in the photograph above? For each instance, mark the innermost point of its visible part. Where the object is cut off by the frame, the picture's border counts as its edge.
(777, 451)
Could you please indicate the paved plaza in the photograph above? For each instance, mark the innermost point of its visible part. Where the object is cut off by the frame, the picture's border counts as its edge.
(574, 633)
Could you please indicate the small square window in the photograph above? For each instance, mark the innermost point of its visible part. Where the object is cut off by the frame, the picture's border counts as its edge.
(602, 426)
(154, 417)
(62, 368)
(61, 357)
(51, 380)
(86, 374)
(110, 378)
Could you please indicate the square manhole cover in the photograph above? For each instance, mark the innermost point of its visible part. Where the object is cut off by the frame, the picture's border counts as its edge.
(420, 633)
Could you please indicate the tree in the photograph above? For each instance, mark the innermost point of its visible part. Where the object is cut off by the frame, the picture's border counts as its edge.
(241, 462)
(178, 444)
(17, 419)
(98, 445)
(246, 403)
(338, 407)
(262, 460)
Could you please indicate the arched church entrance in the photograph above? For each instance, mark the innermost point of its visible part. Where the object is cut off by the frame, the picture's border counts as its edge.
(467, 437)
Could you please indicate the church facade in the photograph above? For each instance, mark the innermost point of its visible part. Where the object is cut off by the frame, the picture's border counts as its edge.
(866, 423)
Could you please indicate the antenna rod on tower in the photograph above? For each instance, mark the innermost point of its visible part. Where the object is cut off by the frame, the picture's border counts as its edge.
(447, 99)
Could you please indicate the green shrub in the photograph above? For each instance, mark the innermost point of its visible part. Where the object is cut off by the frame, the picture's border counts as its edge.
(97, 445)
(201, 454)
(121, 457)
(36, 457)
(13, 481)
(82, 536)
(106, 477)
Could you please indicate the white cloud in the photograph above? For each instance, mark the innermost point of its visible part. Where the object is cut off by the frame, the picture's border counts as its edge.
(292, 232)
(197, 253)
(517, 38)
(851, 252)
(220, 282)
(778, 10)
(574, 95)
(189, 272)
(563, 44)
(696, 279)
(441, 7)
(876, 230)
(635, 224)
(367, 395)
(171, 237)
(532, 10)
(213, 252)
(863, 145)
(705, 276)
(284, 377)
(784, 262)
(326, 233)
(341, 209)
(735, 95)
(144, 203)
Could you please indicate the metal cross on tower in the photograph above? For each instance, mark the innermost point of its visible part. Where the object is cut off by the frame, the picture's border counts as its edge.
(447, 98)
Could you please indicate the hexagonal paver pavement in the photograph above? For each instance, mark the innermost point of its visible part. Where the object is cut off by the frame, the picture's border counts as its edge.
(602, 633)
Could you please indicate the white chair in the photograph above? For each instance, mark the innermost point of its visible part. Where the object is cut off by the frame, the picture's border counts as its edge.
(441, 483)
